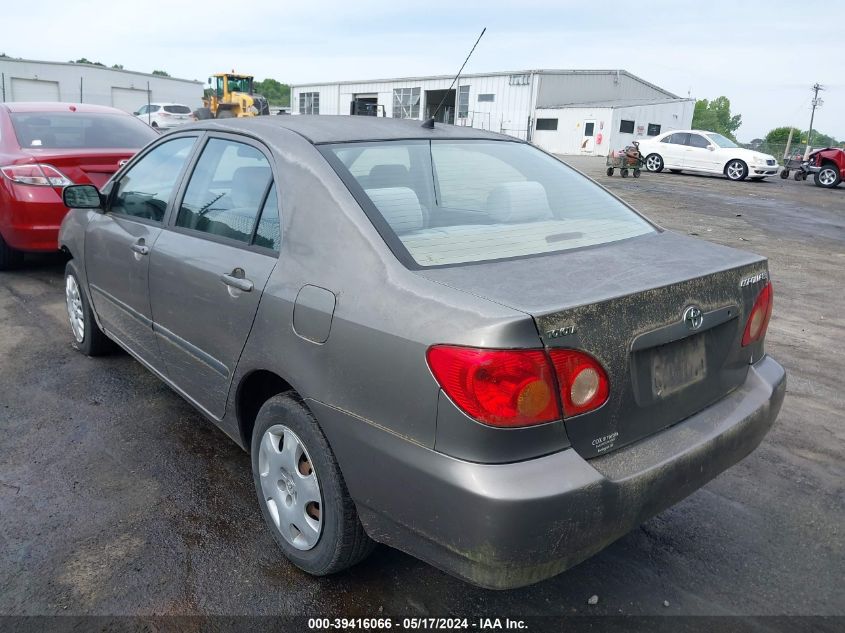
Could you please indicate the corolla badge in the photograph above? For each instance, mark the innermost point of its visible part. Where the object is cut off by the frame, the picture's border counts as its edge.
(693, 317)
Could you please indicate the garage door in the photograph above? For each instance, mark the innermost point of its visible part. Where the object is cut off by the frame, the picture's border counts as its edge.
(34, 90)
(128, 99)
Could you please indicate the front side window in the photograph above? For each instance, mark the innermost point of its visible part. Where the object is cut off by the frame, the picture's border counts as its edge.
(309, 103)
(80, 130)
(226, 192)
(696, 140)
(406, 103)
(441, 203)
(240, 84)
(144, 191)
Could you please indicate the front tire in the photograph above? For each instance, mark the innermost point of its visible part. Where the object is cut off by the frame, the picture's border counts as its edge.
(654, 162)
(828, 176)
(88, 338)
(736, 170)
(301, 490)
(9, 257)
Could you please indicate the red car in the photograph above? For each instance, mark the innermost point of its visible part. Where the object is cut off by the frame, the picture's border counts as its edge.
(829, 166)
(43, 148)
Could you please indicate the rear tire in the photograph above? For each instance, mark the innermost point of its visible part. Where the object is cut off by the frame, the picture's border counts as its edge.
(736, 170)
(342, 541)
(623, 172)
(784, 173)
(9, 257)
(636, 173)
(88, 338)
(798, 176)
(610, 171)
(828, 176)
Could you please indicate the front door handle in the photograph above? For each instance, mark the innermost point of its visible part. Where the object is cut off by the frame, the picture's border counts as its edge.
(236, 279)
(141, 248)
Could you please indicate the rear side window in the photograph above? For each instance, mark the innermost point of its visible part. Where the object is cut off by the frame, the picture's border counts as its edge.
(80, 130)
(227, 190)
(268, 233)
(449, 202)
(144, 191)
(177, 109)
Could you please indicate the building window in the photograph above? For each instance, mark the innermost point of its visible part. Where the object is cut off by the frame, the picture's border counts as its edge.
(309, 103)
(487, 96)
(463, 102)
(546, 124)
(626, 127)
(406, 103)
(653, 129)
(518, 80)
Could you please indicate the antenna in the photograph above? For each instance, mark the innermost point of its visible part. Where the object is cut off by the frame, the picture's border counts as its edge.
(429, 123)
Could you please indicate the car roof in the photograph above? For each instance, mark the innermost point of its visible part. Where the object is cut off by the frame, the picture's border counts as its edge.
(322, 128)
(165, 103)
(57, 106)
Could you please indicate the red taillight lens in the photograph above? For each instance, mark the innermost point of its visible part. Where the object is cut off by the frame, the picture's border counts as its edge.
(36, 175)
(583, 382)
(761, 313)
(505, 388)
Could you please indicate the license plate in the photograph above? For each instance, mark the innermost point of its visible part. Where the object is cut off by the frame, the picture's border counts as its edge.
(678, 365)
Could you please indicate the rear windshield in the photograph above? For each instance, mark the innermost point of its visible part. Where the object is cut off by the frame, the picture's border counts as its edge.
(177, 109)
(438, 203)
(80, 130)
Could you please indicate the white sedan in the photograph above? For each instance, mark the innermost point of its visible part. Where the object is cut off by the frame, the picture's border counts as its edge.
(697, 150)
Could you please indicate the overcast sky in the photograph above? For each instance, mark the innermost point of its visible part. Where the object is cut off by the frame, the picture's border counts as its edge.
(764, 56)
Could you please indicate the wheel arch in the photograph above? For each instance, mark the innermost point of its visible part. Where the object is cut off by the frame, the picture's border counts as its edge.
(254, 389)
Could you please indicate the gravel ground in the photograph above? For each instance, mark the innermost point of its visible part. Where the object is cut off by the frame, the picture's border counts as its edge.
(116, 497)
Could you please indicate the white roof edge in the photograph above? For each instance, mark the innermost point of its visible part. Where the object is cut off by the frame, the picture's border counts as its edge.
(536, 71)
(611, 104)
(95, 67)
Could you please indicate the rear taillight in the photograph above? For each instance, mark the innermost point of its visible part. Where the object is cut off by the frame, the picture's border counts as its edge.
(36, 175)
(515, 388)
(761, 313)
(583, 382)
(504, 388)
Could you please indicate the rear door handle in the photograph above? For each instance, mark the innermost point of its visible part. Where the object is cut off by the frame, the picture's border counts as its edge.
(235, 279)
(141, 249)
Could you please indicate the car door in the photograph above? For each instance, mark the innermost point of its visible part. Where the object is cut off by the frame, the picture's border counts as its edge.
(672, 149)
(696, 155)
(118, 243)
(210, 265)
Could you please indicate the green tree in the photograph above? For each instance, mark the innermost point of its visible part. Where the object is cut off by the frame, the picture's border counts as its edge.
(276, 92)
(161, 73)
(715, 116)
(83, 60)
(118, 66)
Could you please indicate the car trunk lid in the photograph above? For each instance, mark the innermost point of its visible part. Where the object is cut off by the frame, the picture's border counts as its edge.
(82, 166)
(635, 306)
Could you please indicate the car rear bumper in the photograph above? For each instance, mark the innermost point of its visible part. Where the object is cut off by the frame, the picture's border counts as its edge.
(509, 525)
(30, 217)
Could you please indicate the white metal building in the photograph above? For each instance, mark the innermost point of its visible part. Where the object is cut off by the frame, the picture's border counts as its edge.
(564, 111)
(28, 80)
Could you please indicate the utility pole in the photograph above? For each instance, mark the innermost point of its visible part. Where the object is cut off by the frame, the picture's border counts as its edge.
(816, 103)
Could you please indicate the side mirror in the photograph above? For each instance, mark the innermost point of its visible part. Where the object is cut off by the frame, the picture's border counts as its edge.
(137, 112)
(81, 197)
(712, 148)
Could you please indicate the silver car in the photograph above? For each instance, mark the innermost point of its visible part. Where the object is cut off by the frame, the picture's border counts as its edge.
(442, 339)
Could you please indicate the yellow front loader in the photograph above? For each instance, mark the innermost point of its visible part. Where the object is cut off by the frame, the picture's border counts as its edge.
(231, 95)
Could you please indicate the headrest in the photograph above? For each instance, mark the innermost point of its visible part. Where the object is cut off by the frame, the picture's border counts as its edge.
(381, 175)
(248, 185)
(400, 206)
(519, 202)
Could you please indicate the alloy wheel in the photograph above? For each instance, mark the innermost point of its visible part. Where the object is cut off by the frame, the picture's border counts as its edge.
(290, 487)
(653, 163)
(827, 177)
(735, 170)
(74, 308)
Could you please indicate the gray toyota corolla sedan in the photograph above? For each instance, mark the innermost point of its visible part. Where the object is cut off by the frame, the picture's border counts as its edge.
(442, 339)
